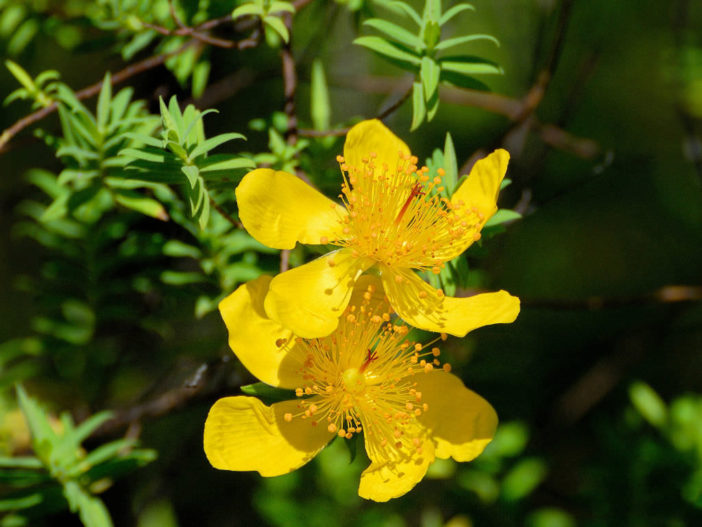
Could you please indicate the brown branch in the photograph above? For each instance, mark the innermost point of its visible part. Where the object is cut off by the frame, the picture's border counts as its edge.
(89, 91)
(122, 75)
(284, 260)
(207, 380)
(224, 213)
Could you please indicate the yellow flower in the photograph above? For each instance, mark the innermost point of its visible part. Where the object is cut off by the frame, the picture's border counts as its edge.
(389, 221)
(363, 378)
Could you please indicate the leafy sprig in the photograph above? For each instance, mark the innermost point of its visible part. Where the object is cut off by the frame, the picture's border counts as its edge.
(422, 52)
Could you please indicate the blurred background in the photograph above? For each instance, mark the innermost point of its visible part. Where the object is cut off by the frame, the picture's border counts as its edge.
(110, 282)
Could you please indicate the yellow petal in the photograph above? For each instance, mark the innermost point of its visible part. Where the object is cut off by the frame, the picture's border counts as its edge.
(376, 299)
(372, 136)
(420, 305)
(279, 209)
(481, 187)
(242, 433)
(384, 480)
(460, 421)
(310, 299)
(266, 348)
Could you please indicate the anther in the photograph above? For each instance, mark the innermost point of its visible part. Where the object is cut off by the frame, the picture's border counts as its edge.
(288, 417)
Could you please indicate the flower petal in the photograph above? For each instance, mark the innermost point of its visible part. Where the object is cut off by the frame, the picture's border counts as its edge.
(266, 348)
(373, 136)
(418, 304)
(242, 433)
(382, 481)
(460, 421)
(279, 209)
(310, 299)
(481, 187)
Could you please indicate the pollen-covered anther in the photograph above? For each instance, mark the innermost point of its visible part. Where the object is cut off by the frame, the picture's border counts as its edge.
(446, 367)
(436, 352)
(288, 417)
(299, 392)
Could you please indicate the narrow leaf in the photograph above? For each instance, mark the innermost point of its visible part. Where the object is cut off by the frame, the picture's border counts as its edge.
(385, 48)
(278, 26)
(398, 33)
(213, 143)
(407, 9)
(103, 104)
(319, 98)
(419, 108)
(453, 11)
(451, 42)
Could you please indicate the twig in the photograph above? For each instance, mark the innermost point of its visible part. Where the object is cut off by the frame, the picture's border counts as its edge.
(203, 382)
(225, 214)
(284, 260)
(120, 76)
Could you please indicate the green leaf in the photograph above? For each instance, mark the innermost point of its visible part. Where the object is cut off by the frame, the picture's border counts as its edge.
(502, 216)
(91, 510)
(407, 9)
(249, 9)
(429, 73)
(278, 7)
(398, 33)
(419, 108)
(450, 165)
(19, 503)
(213, 143)
(453, 11)
(278, 26)
(178, 249)
(102, 454)
(319, 98)
(103, 104)
(144, 205)
(42, 433)
(20, 462)
(649, 404)
(92, 423)
(387, 49)
(21, 75)
(268, 394)
(432, 10)
(201, 73)
(451, 42)
(431, 34)
(181, 278)
(192, 173)
(523, 479)
(470, 66)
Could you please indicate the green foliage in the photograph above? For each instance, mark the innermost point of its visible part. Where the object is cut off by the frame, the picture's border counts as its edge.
(62, 467)
(422, 54)
(41, 90)
(183, 156)
(270, 13)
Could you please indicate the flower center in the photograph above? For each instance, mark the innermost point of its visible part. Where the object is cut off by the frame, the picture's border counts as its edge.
(353, 380)
(397, 216)
(363, 378)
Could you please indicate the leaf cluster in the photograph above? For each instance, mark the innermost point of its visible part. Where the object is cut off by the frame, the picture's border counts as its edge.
(62, 474)
(422, 53)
